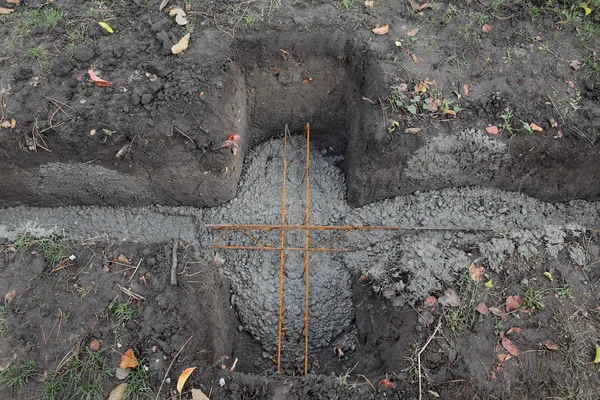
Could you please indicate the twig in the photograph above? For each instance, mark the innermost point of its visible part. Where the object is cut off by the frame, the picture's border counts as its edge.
(180, 131)
(43, 334)
(60, 314)
(130, 293)
(174, 264)
(169, 369)
(136, 268)
(234, 364)
(419, 356)
(368, 381)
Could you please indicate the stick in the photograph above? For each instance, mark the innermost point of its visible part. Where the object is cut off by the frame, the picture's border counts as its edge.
(169, 369)
(234, 364)
(419, 356)
(136, 268)
(174, 264)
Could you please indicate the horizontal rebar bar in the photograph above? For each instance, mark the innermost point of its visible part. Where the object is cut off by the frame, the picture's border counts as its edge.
(269, 248)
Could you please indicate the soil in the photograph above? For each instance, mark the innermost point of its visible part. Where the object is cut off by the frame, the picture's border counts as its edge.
(110, 169)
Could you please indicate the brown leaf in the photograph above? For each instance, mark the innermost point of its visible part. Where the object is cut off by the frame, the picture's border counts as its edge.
(122, 259)
(417, 8)
(486, 28)
(9, 296)
(535, 128)
(15, 2)
(5, 124)
(575, 64)
(466, 89)
(492, 130)
(183, 378)
(550, 345)
(482, 308)
(128, 360)
(13, 123)
(513, 302)
(502, 357)
(476, 272)
(368, 3)
(412, 32)
(381, 30)
(198, 394)
(4, 10)
(387, 383)
(97, 80)
(95, 345)
(118, 393)
(181, 45)
(515, 330)
(450, 298)
(510, 347)
(570, 83)
(497, 312)
(429, 301)
(412, 131)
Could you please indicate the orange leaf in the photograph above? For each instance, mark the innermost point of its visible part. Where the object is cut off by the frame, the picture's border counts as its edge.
(9, 296)
(4, 10)
(504, 357)
(430, 301)
(183, 378)
(535, 128)
(128, 360)
(99, 81)
(492, 130)
(15, 2)
(412, 32)
(510, 347)
(486, 28)
(416, 8)
(476, 272)
(95, 345)
(482, 308)
(513, 302)
(466, 88)
(516, 330)
(497, 312)
(387, 383)
(550, 345)
(451, 112)
(122, 259)
(381, 30)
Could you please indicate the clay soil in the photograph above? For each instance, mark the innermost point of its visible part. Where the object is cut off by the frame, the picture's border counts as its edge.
(165, 116)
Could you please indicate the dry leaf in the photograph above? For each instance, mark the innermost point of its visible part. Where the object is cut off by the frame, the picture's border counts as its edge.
(515, 330)
(5, 124)
(513, 302)
(597, 356)
(173, 11)
(575, 64)
(381, 30)
(183, 378)
(188, 6)
(163, 5)
(181, 20)
(450, 298)
(466, 89)
(97, 80)
(368, 4)
(412, 32)
(95, 345)
(13, 123)
(198, 394)
(181, 45)
(4, 10)
(122, 259)
(492, 130)
(412, 130)
(550, 345)
(586, 8)
(121, 373)
(118, 393)
(535, 128)
(504, 357)
(128, 360)
(17, 2)
(387, 383)
(548, 275)
(510, 347)
(482, 308)
(122, 151)
(486, 28)
(570, 83)
(553, 123)
(476, 272)
(497, 312)
(106, 27)
(417, 8)
(9, 296)
(429, 301)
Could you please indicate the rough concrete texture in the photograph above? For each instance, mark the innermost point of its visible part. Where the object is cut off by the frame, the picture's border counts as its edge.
(406, 266)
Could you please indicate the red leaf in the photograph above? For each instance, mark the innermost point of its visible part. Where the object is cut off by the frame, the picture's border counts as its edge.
(510, 347)
(430, 301)
(387, 383)
(513, 302)
(482, 308)
(99, 81)
(514, 330)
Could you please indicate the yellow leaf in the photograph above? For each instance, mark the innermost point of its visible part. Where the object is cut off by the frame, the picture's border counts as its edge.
(548, 275)
(198, 394)
(381, 30)
(118, 393)
(451, 112)
(586, 8)
(106, 26)
(183, 378)
(128, 360)
(181, 45)
(489, 284)
(13, 123)
(535, 128)
(597, 358)
(122, 259)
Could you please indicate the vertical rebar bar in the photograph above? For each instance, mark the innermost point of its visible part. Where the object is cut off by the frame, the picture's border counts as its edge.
(306, 245)
(282, 253)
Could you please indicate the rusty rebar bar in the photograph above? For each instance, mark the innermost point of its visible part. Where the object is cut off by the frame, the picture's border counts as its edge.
(282, 251)
(306, 245)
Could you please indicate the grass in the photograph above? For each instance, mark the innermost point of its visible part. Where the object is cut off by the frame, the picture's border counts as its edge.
(532, 299)
(138, 387)
(16, 377)
(4, 328)
(120, 313)
(53, 247)
(463, 317)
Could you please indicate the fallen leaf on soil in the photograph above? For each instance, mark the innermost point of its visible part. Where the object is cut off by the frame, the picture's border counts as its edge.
(381, 30)
(553, 123)
(550, 345)
(412, 131)
(188, 6)
(307, 80)
(173, 11)
(434, 394)
(570, 83)
(15, 2)
(106, 27)
(451, 112)
(368, 4)
(412, 32)
(122, 259)
(181, 45)
(486, 28)
(9, 296)
(597, 357)
(466, 89)
(198, 394)
(504, 357)
(497, 312)
(489, 284)
(99, 81)
(586, 8)
(118, 393)
(417, 8)
(121, 373)
(482, 308)
(548, 275)
(476, 272)
(510, 347)
(181, 20)
(163, 5)
(535, 128)
(4, 10)
(515, 330)
(387, 383)
(426, 318)
(231, 143)
(430, 301)
(492, 130)
(183, 378)
(13, 123)
(95, 345)
(450, 298)
(5, 124)
(559, 134)
(575, 64)
(513, 302)
(128, 360)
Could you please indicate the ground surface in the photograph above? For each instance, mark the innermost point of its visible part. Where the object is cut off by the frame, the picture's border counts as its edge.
(447, 71)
